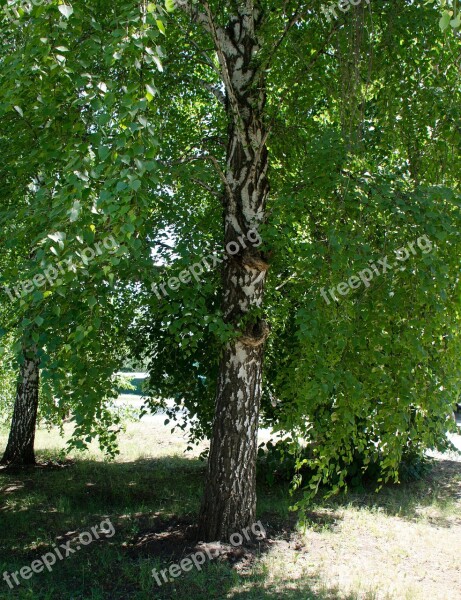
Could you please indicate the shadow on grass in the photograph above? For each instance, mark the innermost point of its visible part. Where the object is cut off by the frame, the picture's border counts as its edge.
(75, 493)
(143, 497)
(72, 495)
(439, 489)
(297, 591)
(147, 499)
(219, 585)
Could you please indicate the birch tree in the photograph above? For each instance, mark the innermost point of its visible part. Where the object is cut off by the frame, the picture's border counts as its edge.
(274, 91)
(76, 116)
(238, 38)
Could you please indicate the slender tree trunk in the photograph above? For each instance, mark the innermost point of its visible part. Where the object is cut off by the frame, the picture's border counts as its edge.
(20, 448)
(229, 503)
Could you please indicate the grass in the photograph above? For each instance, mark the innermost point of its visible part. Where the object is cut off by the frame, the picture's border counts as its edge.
(404, 543)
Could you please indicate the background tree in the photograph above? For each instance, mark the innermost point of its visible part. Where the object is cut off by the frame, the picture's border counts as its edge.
(78, 173)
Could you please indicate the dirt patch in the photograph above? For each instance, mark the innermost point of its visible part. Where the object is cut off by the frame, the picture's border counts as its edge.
(175, 539)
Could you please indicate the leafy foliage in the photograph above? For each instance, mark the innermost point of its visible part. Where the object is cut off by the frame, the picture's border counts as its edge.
(364, 137)
(364, 154)
(79, 145)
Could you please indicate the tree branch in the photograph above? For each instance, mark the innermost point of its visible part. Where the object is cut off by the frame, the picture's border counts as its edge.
(217, 93)
(197, 16)
(290, 24)
(220, 38)
(207, 60)
(206, 187)
(221, 41)
(205, 157)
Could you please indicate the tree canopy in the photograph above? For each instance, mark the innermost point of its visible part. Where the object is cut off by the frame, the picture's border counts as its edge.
(174, 131)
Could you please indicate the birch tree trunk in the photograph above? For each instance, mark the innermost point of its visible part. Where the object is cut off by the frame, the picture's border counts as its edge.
(229, 502)
(20, 447)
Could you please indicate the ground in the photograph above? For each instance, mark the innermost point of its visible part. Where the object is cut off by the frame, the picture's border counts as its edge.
(404, 543)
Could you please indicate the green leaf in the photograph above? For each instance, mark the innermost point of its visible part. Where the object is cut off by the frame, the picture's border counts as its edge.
(151, 90)
(456, 22)
(158, 63)
(161, 27)
(66, 10)
(444, 22)
(75, 211)
(135, 184)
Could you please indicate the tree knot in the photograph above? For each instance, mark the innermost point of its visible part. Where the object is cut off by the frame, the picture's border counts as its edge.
(256, 334)
(254, 261)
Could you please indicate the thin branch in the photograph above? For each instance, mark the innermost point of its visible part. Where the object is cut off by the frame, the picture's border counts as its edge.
(161, 244)
(291, 23)
(207, 60)
(220, 38)
(206, 187)
(223, 178)
(279, 287)
(204, 157)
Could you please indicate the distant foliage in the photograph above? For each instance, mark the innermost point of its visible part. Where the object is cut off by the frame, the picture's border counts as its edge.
(8, 377)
